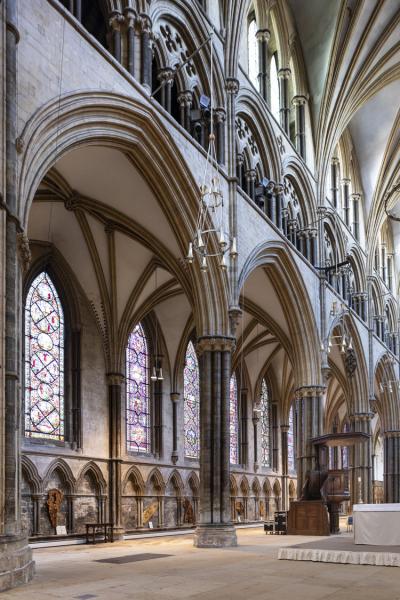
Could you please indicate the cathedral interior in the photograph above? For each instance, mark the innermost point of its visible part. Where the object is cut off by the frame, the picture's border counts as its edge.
(199, 287)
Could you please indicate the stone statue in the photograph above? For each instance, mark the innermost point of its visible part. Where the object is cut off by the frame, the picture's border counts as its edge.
(54, 500)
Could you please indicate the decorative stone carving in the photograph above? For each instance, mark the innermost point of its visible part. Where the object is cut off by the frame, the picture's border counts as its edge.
(149, 512)
(188, 512)
(54, 500)
(239, 507)
(350, 362)
(24, 252)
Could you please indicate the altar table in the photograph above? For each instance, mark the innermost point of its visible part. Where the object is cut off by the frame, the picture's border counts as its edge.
(377, 524)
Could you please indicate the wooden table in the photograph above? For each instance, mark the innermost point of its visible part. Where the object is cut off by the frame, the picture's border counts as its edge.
(107, 528)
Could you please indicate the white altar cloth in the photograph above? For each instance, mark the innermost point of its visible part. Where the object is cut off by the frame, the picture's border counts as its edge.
(376, 524)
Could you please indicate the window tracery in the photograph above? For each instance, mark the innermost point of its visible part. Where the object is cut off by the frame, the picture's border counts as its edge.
(290, 442)
(191, 392)
(44, 361)
(137, 392)
(265, 425)
(233, 422)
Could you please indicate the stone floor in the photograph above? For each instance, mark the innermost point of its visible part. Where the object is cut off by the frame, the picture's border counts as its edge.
(250, 571)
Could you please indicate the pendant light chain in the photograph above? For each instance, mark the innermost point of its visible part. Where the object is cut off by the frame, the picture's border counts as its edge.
(211, 239)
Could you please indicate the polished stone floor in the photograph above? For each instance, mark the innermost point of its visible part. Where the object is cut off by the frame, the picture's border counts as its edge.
(250, 571)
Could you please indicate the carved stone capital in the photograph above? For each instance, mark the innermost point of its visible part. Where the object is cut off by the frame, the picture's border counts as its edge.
(166, 75)
(24, 252)
(310, 391)
(285, 74)
(116, 20)
(263, 35)
(220, 114)
(232, 85)
(362, 417)
(175, 397)
(299, 100)
(185, 98)
(145, 23)
(130, 17)
(115, 378)
(215, 344)
(391, 433)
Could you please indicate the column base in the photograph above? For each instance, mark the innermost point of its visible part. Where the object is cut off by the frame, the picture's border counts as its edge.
(119, 533)
(215, 536)
(16, 564)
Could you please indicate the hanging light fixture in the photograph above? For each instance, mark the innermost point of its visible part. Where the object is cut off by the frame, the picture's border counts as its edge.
(211, 238)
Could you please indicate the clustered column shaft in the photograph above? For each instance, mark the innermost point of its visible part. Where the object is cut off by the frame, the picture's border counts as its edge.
(309, 424)
(391, 476)
(215, 528)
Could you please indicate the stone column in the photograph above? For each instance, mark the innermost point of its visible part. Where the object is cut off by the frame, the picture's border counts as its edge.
(139, 508)
(37, 499)
(166, 78)
(391, 476)
(185, 100)
(146, 51)
(215, 528)
(362, 459)
(309, 424)
(240, 162)
(220, 116)
(116, 20)
(174, 399)
(115, 381)
(78, 9)
(334, 181)
(356, 198)
(313, 246)
(285, 467)
(346, 201)
(251, 183)
(130, 18)
(16, 565)
(278, 191)
(300, 123)
(263, 36)
(284, 103)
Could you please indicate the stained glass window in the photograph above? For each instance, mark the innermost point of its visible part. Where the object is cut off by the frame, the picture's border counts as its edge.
(345, 449)
(137, 392)
(44, 361)
(252, 46)
(233, 422)
(265, 425)
(274, 86)
(191, 403)
(291, 452)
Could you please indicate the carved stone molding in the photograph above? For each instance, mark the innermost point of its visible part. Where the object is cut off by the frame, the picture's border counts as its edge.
(215, 344)
(232, 85)
(24, 251)
(309, 391)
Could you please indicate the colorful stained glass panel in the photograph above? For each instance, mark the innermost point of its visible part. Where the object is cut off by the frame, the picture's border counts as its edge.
(191, 393)
(44, 361)
(291, 450)
(265, 425)
(137, 392)
(233, 422)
